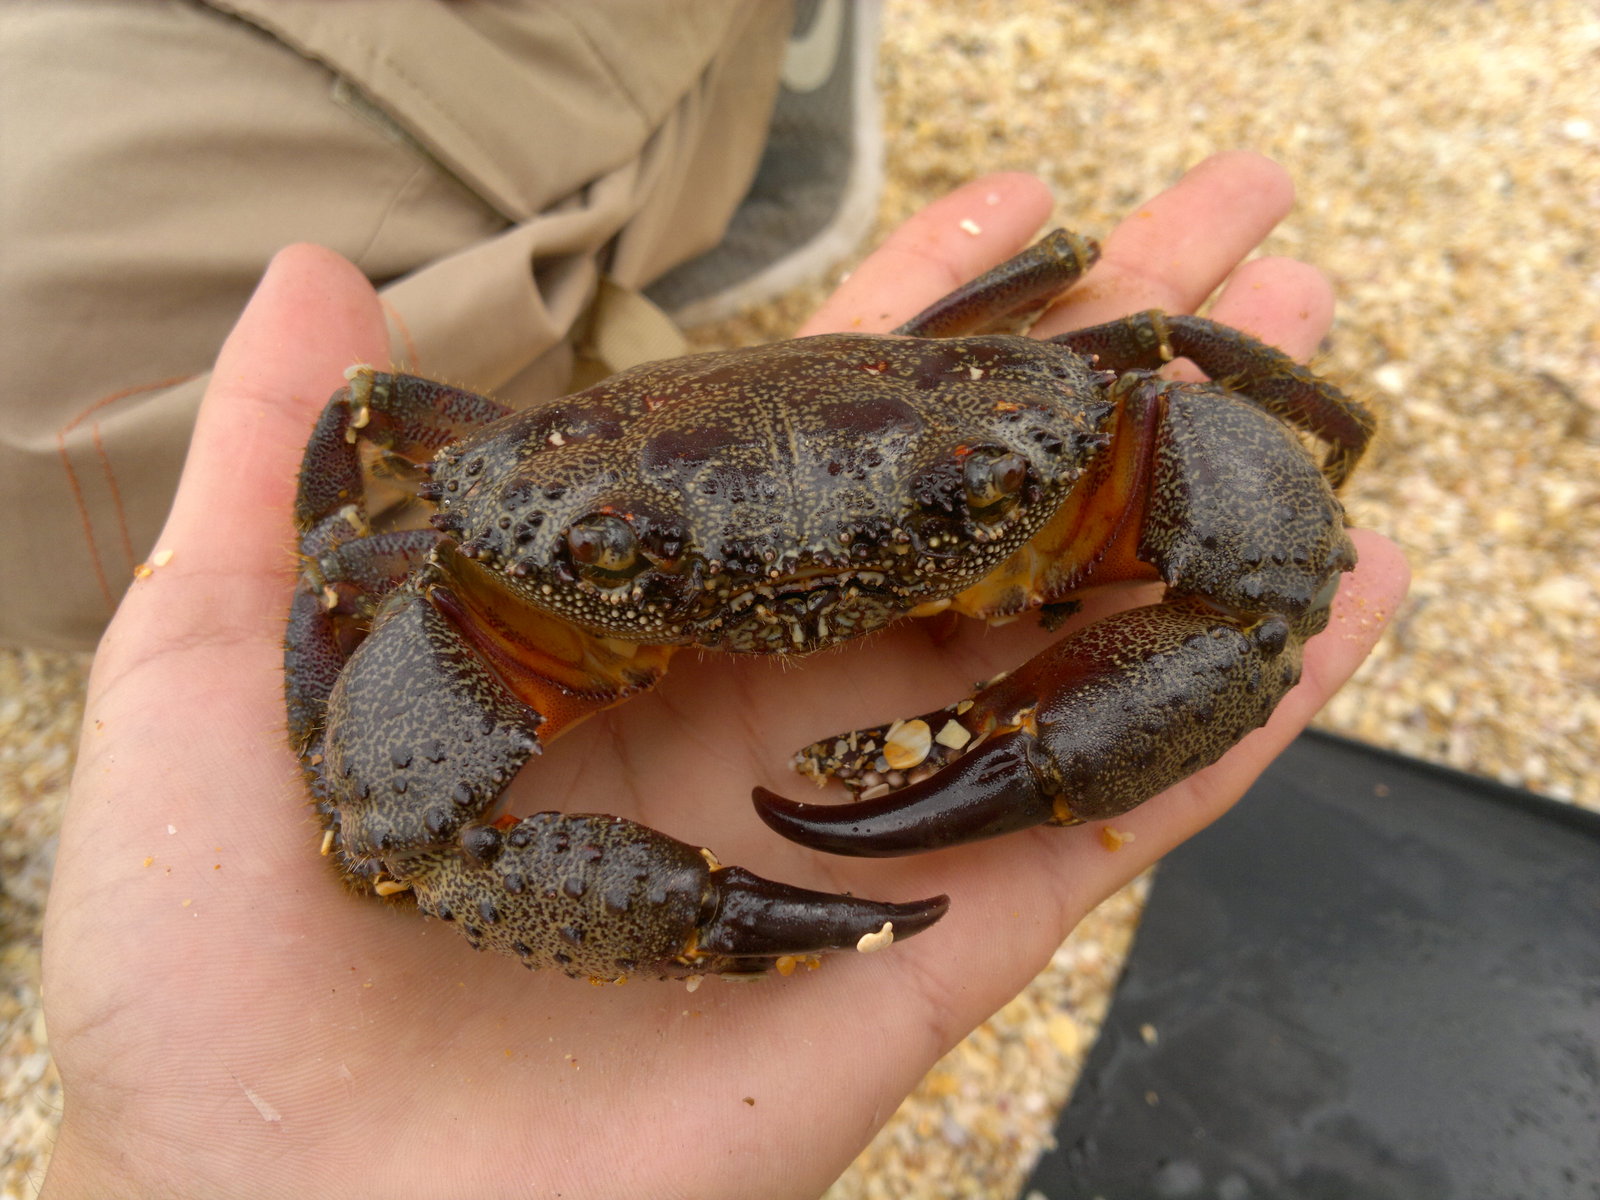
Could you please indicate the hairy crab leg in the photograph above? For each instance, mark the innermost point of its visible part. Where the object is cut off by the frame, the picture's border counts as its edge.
(403, 414)
(1008, 297)
(1260, 373)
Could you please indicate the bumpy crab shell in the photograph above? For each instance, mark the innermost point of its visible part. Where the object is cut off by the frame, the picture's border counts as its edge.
(778, 500)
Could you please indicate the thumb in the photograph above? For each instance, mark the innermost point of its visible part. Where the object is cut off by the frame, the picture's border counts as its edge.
(225, 555)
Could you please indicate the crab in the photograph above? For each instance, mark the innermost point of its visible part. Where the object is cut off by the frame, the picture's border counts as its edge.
(776, 500)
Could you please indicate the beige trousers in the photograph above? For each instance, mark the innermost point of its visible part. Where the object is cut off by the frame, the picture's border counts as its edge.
(494, 167)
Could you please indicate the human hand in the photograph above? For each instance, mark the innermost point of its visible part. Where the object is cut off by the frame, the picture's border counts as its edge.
(228, 1021)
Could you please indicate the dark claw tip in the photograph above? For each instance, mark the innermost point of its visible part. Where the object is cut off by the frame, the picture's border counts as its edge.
(983, 794)
(913, 916)
(761, 918)
(860, 828)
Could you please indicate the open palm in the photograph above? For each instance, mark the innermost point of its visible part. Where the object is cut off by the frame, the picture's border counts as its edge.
(227, 1021)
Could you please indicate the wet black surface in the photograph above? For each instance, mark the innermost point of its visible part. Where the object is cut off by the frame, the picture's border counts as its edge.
(1374, 980)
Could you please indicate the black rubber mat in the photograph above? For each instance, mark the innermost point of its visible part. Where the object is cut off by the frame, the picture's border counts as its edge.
(1373, 980)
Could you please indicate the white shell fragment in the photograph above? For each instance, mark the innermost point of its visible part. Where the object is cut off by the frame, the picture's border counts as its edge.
(876, 941)
(907, 744)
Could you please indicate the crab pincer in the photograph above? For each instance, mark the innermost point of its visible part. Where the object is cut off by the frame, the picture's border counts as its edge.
(1087, 729)
(604, 898)
(755, 923)
(987, 793)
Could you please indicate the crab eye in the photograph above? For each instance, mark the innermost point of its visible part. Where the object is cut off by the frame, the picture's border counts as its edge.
(604, 546)
(994, 479)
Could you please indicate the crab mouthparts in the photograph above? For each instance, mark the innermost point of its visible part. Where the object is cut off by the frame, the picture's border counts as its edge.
(808, 610)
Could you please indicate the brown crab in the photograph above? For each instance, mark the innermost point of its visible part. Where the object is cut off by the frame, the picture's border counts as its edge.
(777, 500)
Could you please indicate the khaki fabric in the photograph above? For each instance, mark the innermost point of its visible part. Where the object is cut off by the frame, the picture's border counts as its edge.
(494, 167)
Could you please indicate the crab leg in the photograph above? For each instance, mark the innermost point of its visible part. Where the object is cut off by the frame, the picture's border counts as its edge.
(604, 898)
(410, 417)
(1260, 373)
(345, 569)
(1011, 295)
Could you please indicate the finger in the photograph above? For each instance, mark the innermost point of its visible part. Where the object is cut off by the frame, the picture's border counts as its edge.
(312, 315)
(1174, 251)
(1284, 302)
(947, 243)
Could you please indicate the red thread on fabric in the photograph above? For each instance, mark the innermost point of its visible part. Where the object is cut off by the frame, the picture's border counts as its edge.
(399, 323)
(75, 485)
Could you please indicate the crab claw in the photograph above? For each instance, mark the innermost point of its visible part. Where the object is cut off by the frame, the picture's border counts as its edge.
(756, 921)
(988, 792)
(1089, 728)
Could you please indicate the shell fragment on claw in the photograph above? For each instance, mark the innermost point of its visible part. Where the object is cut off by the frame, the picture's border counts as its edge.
(876, 940)
(907, 744)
